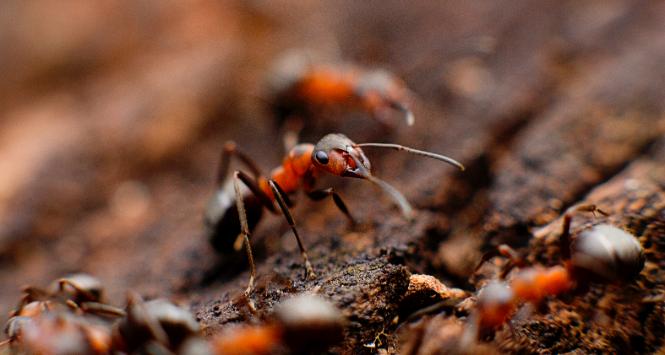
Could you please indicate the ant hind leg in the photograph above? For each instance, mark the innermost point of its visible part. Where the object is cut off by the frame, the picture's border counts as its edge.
(244, 230)
(231, 149)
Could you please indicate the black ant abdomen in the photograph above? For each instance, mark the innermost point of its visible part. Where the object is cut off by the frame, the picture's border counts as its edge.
(221, 218)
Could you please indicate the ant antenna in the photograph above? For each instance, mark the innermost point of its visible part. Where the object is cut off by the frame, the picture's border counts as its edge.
(436, 156)
(397, 196)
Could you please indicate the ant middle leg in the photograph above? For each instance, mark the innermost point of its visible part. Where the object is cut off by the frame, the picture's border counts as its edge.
(282, 198)
(564, 239)
(318, 195)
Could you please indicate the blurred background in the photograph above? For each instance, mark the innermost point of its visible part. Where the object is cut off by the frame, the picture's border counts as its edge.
(113, 114)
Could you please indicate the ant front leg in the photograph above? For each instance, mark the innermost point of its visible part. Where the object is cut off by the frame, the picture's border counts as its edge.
(282, 199)
(318, 195)
(564, 239)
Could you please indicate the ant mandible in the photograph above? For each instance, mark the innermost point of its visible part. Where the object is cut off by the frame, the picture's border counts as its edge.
(602, 253)
(229, 219)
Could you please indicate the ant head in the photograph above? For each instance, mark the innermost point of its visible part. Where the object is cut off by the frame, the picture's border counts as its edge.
(79, 287)
(608, 252)
(158, 321)
(338, 155)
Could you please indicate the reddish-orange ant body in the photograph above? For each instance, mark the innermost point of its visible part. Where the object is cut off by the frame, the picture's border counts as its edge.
(602, 253)
(300, 90)
(230, 219)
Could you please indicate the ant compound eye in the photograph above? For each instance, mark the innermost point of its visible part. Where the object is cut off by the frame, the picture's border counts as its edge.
(321, 157)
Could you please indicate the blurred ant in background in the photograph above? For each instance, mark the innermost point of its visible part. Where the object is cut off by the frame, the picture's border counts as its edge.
(68, 317)
(602, 253)
(80, 292)
(303, 324)
(154, 327)
(301, 93)
(230, 221)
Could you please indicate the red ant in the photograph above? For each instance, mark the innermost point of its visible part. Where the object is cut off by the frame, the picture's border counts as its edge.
(228, 220)
(602, 253)
(303, 324)
(300, 90)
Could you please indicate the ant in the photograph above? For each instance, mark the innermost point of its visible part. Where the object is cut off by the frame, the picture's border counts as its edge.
(59, 317)
(299, 90)
(58, 333)
(228, 220)
(303, 324)
(80, 292)
(157, 324)
(602, 253)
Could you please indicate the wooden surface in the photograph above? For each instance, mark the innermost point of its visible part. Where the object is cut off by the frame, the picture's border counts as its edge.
(113, 116)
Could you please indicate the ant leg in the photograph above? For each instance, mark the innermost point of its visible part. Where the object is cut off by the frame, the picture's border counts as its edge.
(564, 239)
(31, 293)
(408, 114)
(102, 309)
(87, 294)
(318, 195)
(514, 259)
(137, 312)
(265, 201)
(279, 196)
(244, 230)
(256, 190)
(231, 149)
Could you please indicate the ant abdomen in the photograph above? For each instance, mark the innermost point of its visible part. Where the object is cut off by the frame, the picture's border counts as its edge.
(222, 221)
(607, 252)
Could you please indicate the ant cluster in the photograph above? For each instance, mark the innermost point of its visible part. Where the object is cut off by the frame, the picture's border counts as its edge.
(70, 317)
(600, 254)
(236, 207)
